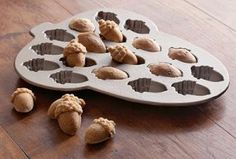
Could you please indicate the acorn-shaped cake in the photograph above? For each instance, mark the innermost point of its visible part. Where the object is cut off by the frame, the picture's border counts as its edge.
(110, 30)
(165, 69)
(100, 130)
(147, 44)
(122, 54)
(92, 42)
(182, 54)
(23, 100)
(82, 25)
(110, 73)
(67, 110)
(74, 54)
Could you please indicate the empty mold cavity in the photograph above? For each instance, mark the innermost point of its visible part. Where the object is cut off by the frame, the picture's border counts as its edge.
(207, 73)
(59, 34)
(47, 48)
(40, 64)
(190, 87)
(137, 26)
(68, 77)
(147, 85)
(107, 16)
(88, 62)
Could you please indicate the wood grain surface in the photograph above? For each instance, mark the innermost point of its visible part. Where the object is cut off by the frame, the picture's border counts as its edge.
(147, 132)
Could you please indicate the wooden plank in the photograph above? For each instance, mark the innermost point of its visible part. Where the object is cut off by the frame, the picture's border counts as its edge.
(169, 132)
(9, 149)
(222, 11)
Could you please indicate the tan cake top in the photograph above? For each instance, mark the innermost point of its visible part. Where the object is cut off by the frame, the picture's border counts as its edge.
(22, 90)
(81, 25)
(110, 30)
(70, 102)
(72, 97)
(74, 48)
(122, 54)
(109, 125)
(67, 106)
(106, 26)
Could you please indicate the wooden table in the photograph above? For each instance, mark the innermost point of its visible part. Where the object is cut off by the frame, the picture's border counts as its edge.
(203, 131)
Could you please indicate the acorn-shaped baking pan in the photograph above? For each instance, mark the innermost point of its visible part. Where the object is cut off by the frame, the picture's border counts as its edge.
(150, 66)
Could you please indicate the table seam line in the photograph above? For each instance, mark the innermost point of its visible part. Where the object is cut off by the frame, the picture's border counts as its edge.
(210, 15)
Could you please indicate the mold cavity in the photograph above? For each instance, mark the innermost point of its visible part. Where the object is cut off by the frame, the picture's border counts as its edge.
(137, 26)
(59, 34)
(207, 73)
(147, 85)
(47, 48)
(107, 16)
(124, 39)
(88, 62)
(140, 60)
(40, 64)
(68, 77)
(190, 87)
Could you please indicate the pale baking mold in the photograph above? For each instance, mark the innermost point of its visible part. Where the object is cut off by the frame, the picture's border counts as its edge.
(203, 77)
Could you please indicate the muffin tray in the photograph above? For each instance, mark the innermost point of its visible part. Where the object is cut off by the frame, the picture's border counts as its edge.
(39, 63)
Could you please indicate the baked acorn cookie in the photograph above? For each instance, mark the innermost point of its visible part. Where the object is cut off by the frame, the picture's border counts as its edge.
(110, 31)
(108, 72)
(146, 43)
(100, 130)
(92, 42)
(67, 110)
(23, 100)
(74, 54)
(182, 54)
(121, 54)
(164, 69)
(82, 25)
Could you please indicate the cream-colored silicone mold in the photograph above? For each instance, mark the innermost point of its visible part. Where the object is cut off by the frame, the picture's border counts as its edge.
(40, 64)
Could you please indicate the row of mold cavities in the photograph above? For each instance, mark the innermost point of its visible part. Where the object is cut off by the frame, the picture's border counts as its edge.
(183, 87)
(199, 72)
(40, 64)
(140, 85)
(204, 72)
(181, 54)
(137, 26)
